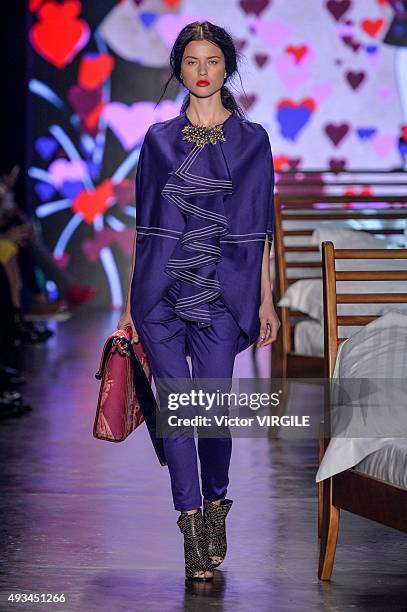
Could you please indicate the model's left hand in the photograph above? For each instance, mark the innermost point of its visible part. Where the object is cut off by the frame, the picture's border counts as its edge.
(269, 323)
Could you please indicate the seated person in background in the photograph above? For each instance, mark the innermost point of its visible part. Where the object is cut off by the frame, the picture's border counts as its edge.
(16, 227)
(11, 401)
(16, 329)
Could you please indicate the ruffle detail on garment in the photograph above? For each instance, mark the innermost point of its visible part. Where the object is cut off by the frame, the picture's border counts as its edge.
(198, 188)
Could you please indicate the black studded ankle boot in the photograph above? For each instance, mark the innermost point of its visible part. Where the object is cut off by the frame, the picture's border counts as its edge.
(195, 545)
(214, 520)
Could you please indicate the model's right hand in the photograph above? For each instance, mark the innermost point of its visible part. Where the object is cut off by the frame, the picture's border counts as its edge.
(127, 321)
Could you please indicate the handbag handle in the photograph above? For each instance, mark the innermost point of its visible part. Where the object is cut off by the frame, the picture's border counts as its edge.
(115, 341)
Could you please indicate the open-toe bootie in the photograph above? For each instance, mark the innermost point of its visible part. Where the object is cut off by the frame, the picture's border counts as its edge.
(214, 520)
(197, 559)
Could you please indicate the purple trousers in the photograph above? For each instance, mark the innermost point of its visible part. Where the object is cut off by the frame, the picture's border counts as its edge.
(213, 349)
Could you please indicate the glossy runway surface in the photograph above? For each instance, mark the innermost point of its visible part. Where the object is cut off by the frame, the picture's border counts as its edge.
(95, 520)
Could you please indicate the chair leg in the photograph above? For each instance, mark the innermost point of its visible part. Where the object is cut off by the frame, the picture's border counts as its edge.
(319, 509)
(322, 444)
(329, 532)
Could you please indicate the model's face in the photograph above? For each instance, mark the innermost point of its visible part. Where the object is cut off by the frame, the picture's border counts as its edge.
(203, 68)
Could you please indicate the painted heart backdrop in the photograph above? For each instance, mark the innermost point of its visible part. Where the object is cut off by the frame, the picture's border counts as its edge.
(316, 75)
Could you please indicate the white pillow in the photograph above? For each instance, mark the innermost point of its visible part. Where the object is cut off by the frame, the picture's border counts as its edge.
(347, 238)
(305, 295)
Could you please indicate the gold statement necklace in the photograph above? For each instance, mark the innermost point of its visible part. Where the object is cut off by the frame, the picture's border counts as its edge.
(202, 135)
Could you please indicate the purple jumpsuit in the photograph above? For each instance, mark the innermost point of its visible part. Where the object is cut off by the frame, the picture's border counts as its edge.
(202, 217)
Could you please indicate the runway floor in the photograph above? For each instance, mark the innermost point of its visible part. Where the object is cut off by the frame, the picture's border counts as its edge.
(95, 520)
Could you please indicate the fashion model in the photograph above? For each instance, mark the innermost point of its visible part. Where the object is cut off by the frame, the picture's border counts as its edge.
(200, 284)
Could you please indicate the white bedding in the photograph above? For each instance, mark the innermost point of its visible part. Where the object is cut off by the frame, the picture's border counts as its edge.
(388, 463)
(306, 294)
(368, 440)
(309, 338)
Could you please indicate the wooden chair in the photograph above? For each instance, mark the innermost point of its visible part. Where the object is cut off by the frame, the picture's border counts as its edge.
(285, 362)
(351, 490)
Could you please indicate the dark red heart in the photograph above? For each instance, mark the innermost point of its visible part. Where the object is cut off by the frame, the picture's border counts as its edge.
(248, 101)
(84, 101)
(336, 132)
(338, 8)
(240, 43)
(337, 165)
(355, 78)
(261, 59)
(350, 42)
(254, 6)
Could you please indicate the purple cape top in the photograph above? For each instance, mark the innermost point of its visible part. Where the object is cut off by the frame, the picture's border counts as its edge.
(202, 216)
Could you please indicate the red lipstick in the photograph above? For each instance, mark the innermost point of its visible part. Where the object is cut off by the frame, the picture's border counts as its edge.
(202, 82)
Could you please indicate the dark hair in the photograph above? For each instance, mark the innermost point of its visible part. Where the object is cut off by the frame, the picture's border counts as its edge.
(206, 30)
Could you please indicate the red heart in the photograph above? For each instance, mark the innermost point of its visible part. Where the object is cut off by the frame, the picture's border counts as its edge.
(59, 35)
(92, 203)
(93, 71)
(62, 261)
(372, 26)
(365, 191)
(309, 103)
(34, 4)
(298, 52)
(280, 162)
(172, 3)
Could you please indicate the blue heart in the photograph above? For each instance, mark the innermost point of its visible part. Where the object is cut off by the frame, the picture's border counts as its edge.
(87, 144)
(399, 29)
(366, 133)
(148, 18)
(372, 49)
(94, 169)
(402, 147)
(46, 146)
(70, 189)
(45, 191)
(292, 120)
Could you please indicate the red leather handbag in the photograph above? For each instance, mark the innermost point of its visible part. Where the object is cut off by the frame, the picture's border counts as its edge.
(125, 398)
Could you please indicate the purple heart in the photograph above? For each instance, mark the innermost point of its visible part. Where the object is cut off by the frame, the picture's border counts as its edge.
(355, 78)
(366, 133)
(338, 8)
(129, 123)
(254, 6)
(46, 146)
(45, 191)
(148, 18)
(336, 132)
(84, 100)
(292, 120)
